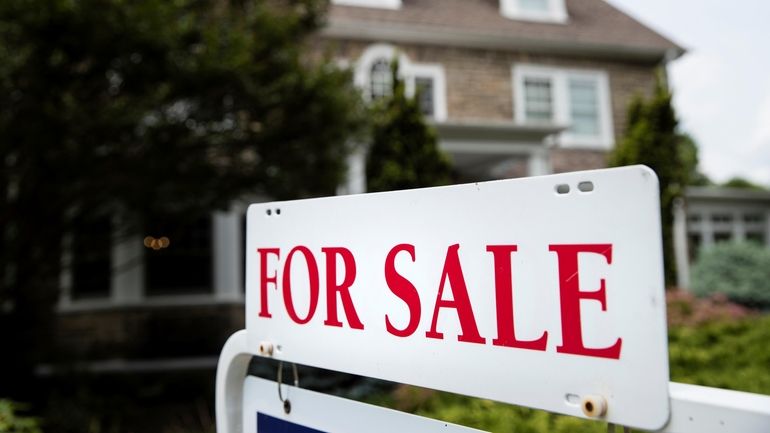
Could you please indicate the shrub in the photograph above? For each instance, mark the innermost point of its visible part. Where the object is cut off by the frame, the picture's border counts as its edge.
(740, 271)
(684, 309)
(12, 422)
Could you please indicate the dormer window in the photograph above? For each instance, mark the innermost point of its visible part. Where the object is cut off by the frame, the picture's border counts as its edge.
(534, 10)
(381, 4)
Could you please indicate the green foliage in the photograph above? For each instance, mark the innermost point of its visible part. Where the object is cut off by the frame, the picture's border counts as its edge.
(122, 109)
(724, 354)
(739, 270)
(12, 422)
(652, 139)
(404, 152)
(739, 182)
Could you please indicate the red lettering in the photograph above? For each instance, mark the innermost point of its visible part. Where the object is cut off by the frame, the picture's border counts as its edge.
(265, 279)
(404, 289)
(571, 295)
(506, 335)
(312, 270)
(460, 302)
(343, 289)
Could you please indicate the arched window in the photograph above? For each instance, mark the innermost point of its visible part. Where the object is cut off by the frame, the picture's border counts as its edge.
(380, 79)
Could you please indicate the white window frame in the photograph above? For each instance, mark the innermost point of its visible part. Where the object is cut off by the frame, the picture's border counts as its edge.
(408, 71)
(559, 78)
(127, 287)
(556, 13)
(380, 4)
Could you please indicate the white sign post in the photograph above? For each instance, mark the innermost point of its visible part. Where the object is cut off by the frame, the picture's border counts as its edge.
(543, 292)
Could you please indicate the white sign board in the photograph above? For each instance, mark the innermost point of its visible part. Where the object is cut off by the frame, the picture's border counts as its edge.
(515, 290)
(312, 412)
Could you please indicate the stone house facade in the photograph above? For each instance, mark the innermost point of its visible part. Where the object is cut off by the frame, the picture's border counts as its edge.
(513, 87)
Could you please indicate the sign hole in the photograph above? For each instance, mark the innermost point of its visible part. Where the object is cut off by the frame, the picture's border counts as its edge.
(278, 211)
(287, 406)
(562, 189)
(586, 186)
(269, 212)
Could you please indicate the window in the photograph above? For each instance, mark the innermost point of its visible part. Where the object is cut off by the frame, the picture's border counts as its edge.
(721, 218)
(584, 107)
(757, 237)
(424, 80)
(90, 263)
(538, 99)
(425, 95)
(576, 99)
(694, 241)
(178, 256)
(534, 10)
(380, 80)
(540, 6)
(382, 4)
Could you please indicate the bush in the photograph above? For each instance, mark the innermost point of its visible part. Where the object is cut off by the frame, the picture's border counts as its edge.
(740, 271)
(11, 422)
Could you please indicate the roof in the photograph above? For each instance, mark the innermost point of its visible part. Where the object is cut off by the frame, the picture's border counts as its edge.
(594, 27)
(706, 193)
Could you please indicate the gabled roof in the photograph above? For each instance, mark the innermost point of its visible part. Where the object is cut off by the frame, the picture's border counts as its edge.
(594, 28)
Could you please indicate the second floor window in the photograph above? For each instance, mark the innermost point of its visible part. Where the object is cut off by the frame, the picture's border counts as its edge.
(538, 99)
(425, 96)
(576, 99)
(425, 81)
(380, 80)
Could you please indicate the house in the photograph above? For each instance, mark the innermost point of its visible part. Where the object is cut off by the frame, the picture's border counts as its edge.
(513, 87)
(709, 215)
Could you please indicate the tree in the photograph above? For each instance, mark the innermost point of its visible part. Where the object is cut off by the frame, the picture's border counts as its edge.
(652, 139)
(404, 152)
(121, 109)
(739, 182)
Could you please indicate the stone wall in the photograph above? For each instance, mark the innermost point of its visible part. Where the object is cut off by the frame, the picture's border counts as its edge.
(479, 82)
(147, 332)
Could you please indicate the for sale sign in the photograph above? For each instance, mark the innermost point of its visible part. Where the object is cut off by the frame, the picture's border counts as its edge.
(543, 292)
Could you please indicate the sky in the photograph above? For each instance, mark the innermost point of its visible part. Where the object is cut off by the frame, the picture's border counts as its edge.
(722, 85)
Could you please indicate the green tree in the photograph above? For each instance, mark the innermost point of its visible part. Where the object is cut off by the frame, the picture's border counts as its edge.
(739, 182)
(404, 152)
(121, 109)
(652, 139)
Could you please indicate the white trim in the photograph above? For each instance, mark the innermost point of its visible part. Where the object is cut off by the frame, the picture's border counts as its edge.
(408, 71)
(559, 78)
(435, 72)
(147, 302)
(132, 366)
(380, 4)
(127, 279)
(556, 13)
(226, 251)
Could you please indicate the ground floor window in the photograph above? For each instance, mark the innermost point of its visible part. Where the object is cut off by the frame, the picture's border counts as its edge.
(178, 256)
